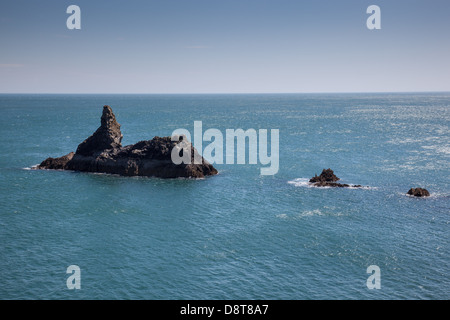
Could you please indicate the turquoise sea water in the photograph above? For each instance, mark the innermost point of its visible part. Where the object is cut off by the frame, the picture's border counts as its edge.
(237, 235)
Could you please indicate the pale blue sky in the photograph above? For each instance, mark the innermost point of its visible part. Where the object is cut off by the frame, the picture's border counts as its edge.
(224, 46)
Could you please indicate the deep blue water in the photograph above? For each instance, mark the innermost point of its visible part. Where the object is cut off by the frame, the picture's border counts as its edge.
(237, 235)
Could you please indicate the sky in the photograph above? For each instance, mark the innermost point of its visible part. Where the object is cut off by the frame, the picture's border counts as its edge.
(224, 46)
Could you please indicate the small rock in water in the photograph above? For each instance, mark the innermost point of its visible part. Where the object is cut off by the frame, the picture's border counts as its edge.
(418, 192)
(328, 179)
(327, 175)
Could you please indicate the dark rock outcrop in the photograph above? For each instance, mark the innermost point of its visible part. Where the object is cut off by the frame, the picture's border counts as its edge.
(56, 163)
(107, 136)
(418, 192)
(327, 175)
(102, 152)
(328, 179)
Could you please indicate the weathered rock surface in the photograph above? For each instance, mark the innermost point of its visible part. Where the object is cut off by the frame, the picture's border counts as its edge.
(56, 163)
(327, 175)
(328, 179)
(102, 152)
(418, 192)
(107, 136)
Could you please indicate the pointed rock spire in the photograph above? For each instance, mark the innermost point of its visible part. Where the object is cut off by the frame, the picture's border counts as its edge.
(107, 136)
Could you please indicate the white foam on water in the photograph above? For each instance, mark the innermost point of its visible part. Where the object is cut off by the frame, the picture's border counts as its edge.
(301, 182)
(445, 150)
(304, 182)
(433, 195)
(438, 149)
(31, 168)
(309, 213)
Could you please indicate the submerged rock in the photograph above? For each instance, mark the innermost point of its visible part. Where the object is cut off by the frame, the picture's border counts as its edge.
(418, 192)
(102, 152)
(328, 179)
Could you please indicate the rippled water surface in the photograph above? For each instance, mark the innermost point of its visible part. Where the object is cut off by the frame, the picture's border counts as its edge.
(237, 235)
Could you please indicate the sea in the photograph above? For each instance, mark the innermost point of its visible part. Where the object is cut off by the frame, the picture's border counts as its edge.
(238, 235)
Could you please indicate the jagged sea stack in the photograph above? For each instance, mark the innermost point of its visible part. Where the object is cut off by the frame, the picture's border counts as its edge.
(102, 152)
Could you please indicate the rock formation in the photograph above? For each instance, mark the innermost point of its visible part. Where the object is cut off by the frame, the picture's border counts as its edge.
(56, 163)
(103, 152)
(328, 179)
(107, 136)
(327, 175)
(418, 192)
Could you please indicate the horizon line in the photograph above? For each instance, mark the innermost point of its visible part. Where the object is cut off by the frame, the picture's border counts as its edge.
(217, 93)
